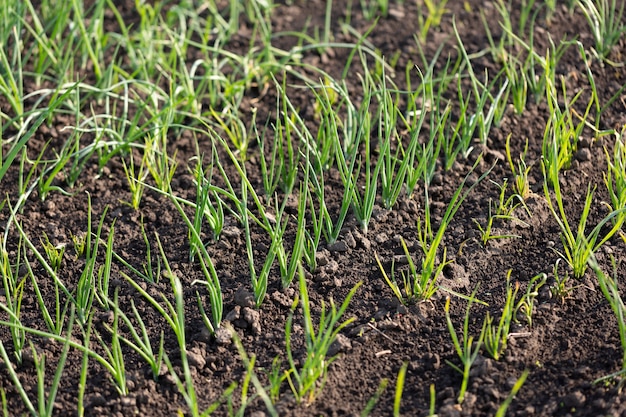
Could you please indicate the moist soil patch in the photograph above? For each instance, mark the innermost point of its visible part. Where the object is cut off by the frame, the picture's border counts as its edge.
(573, 340)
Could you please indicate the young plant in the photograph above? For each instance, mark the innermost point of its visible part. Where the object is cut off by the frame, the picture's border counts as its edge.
(140, 340)
(609, 287)
(499, 52)
(12, 81)
(466, 349)
(276, 377)
(79, 243)
(26, 175)
(136, 179)
(111, 368)
(399, 389)
(233, 127)
(357, 133)
(615, 179)
(605, 19)
(13, 309)
(160, 165)
(373, 401)
(251, 377)
(114, 352)
(288, 269)
(150, 272)
(280, 168)
(560, 288)
(269, 163)
(13, 289)
(321, 154)
(27, 131)
(45, 403)
(394, 167)
(561, 135)
(92, 32)
(55, 321)
(53, 167)
(416, 286)
(259, 280)
(84, 368)
(174, 315)
(86, 287)
(430, 269)
(441, 139)
(525, 305)
(457, 138)
(312, 237)
(209, 207)
(327, 106)
(541, 69)
(417, 162)
(328, 227)
(486, 230)
(518, 82)
(104, 272)
(505, 206)
(509, 399)
(421, 284)
(435, 9)
(550, 6)
(211, 282)
(371, 8)
(496, 335)
(520, 170)
(308, 378)
(54, 253)
(578, 246)
(502, 209)
(488, 108)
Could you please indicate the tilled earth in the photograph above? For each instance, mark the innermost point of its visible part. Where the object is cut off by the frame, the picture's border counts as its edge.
(571, 343)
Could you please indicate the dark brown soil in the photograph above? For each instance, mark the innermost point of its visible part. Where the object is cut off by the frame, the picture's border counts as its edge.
(571, 343)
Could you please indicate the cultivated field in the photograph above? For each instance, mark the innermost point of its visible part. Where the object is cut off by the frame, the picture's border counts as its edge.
(305, 208)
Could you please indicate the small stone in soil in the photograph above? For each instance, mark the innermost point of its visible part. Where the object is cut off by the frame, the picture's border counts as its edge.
(449, 410)
(340, 345)
(332, 267)
(281, 299)
(483, 366)
(321, 257)
(253, 318)
(573, 400)
(204, 335)
(195, 359)
(432, 360)
(96, 400)
(244, 298)
(492, 392)
(400, 260)
(338, 246)
(128, 401)
(381, 238)
(350, 241)
(222, 336)
(469, 401)
(583, 155)
(233, 315)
